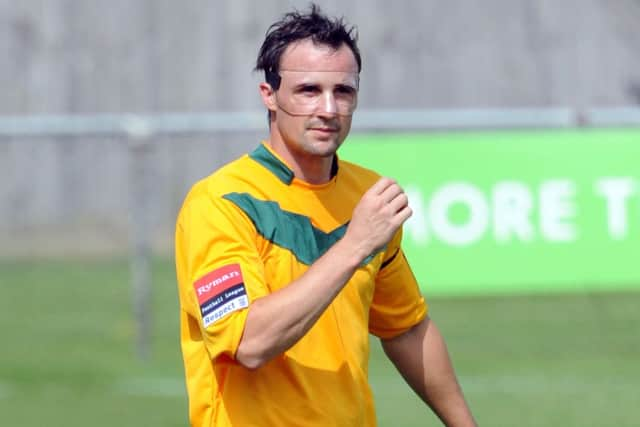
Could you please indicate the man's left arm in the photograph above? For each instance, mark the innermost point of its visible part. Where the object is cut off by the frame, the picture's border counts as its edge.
(421, 356)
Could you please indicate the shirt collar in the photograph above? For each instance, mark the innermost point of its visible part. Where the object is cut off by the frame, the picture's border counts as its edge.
(263, 155)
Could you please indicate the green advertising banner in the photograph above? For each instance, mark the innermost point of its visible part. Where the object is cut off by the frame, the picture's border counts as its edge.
(516, 211)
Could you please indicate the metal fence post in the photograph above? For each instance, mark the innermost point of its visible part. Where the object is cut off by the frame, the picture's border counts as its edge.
(139, 135)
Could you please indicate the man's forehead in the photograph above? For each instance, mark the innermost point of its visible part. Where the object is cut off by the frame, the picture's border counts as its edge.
(309, 56)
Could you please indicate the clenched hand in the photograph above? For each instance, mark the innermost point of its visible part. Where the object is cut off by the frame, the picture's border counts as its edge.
(378, 215)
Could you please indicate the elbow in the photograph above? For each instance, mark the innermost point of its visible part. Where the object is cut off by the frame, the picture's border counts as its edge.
(249, 358)
(258, 345)
(250, 363)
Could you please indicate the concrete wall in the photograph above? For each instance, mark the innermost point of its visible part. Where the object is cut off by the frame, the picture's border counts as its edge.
(90, 56)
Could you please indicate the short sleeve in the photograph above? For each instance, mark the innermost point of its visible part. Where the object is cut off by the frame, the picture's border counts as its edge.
(219, 270)
(397, 302)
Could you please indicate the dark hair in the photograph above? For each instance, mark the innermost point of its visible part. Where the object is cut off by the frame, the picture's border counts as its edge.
(296, 26)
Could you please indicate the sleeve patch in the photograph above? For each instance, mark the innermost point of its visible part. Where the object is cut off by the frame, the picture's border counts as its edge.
(221, 292)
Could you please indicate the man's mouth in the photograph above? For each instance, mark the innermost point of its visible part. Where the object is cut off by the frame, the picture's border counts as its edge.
(324, 129)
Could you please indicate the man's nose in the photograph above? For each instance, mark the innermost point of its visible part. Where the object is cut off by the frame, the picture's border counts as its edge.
(327, 104)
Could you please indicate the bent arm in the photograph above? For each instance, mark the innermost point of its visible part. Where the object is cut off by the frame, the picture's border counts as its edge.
(421, 356)
(277, 321)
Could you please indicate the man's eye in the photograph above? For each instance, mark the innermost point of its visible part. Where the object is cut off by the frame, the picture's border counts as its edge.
(345, 90)
(308, 89)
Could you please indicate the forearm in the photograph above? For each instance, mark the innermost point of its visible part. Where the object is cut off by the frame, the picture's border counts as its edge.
(422, 358)
(277, 321)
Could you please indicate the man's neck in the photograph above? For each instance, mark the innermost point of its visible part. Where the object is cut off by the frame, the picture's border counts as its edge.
(314, 171)
(311, 169)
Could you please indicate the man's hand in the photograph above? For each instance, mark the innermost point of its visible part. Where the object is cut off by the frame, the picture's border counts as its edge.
(277, 321)
(378, 215)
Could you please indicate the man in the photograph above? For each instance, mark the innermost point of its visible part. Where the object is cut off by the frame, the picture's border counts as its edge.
(288, 257)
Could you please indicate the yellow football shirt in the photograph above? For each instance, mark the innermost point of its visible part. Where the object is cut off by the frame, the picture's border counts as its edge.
(248, 230)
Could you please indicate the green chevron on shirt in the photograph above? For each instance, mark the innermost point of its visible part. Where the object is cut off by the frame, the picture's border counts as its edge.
(289, 230)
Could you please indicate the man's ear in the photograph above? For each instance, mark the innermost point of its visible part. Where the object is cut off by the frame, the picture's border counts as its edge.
(268, 96)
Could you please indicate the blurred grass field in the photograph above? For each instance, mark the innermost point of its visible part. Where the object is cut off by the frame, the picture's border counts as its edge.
(67, 356)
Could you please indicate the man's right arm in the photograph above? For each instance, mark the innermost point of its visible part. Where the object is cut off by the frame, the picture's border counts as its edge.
(277, 321)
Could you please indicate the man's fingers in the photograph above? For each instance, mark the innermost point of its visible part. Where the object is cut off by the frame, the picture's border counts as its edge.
(391, 192)
(405, 213)
(398, 202)
(381, 185)
(382, 210)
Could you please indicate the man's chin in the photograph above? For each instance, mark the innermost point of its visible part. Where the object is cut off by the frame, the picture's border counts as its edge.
(324, 148)
(322, 145)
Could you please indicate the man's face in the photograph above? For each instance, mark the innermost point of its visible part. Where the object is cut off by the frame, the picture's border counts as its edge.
(318, 92)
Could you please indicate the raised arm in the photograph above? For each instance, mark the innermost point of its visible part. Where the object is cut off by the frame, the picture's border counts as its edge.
(277, 321)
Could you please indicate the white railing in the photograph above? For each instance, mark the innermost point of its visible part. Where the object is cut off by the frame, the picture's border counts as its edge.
(144, 125)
